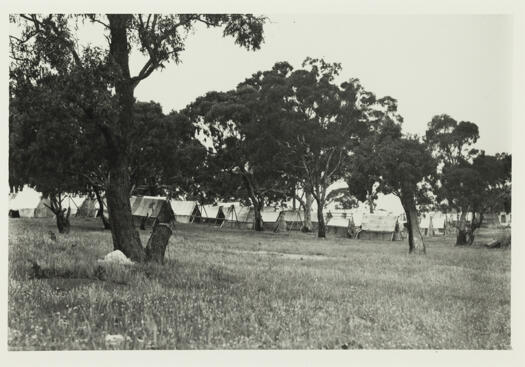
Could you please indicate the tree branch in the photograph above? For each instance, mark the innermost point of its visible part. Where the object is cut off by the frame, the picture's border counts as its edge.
(58, 35)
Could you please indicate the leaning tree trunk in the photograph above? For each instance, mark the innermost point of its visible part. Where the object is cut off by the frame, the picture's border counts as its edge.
(321, 231)
(125, 237)
(157, 243)
(416, 245)
(307, 222)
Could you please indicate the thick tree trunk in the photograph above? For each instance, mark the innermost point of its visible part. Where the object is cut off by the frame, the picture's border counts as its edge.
(125, 237)
(416, 245)
(321, 231)
(157, 243)
(307, 221)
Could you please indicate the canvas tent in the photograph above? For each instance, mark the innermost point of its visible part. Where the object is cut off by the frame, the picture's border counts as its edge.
(383, 227)
(146, 210)
(426, 225)
(88, 209)
(439, 223)
(185, 211)
(230, 211)
(73, 202)
(212, 214)
(269, 217)
(292, 218)
(338, 224)
(245, 217)
(28, 203)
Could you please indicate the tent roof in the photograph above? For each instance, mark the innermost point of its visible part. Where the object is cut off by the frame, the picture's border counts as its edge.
(210, 211)
(424, 221)
(147, 206)
(243, 214)
(338, 222)
(379, 223)
(28, 198)
(291, 215)
(438, 221)
(270, 214)
(183, 207)
(342, 213)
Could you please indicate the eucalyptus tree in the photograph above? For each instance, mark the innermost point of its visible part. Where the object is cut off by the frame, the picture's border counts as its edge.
(100, 83)
(467, 181)
(245, 127)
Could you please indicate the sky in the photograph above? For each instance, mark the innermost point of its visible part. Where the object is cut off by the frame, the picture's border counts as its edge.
(460, 65)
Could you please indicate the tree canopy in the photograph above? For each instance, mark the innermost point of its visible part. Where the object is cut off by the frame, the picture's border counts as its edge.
(100, 84)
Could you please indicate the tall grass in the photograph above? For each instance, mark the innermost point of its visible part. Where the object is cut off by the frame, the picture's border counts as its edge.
(223, 289)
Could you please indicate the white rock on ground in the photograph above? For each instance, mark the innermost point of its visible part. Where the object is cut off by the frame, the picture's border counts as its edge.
(116, 257)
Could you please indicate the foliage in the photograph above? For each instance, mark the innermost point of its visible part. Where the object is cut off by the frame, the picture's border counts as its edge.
(362, 170)
(164, 151)
(245, 127)
(48, 45)
(405, 164)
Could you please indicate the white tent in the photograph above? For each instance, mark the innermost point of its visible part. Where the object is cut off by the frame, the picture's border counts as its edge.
(269, 217)
(245, 216)
(230, 211)
(146, 210)
(424, 221)
(380, 227)
(185, 211)
(338, 224)
(74, 202)
(29, 203)
(212, 214)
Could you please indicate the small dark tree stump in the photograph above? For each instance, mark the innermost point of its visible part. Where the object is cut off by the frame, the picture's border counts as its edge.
(157, 243)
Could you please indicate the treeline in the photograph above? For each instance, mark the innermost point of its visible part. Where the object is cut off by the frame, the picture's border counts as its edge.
(281, 134)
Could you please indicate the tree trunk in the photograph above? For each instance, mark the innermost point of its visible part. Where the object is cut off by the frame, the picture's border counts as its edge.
(105, 221)
(157, 243)
(125, 237)
(258, 222)
(416, 245)
(463, 235)
(370, 200)
(62, 217)
(321, 231)
(307, 221)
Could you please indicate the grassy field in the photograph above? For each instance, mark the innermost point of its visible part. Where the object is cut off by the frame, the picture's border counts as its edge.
(234, 289)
